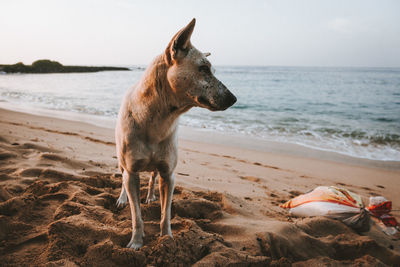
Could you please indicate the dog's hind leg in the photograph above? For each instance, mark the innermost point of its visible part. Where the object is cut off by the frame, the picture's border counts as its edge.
(166, 185)
(123, 198)
(150, 193)
(131, 182)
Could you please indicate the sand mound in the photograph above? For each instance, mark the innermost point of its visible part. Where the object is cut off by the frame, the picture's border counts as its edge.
(51, 217)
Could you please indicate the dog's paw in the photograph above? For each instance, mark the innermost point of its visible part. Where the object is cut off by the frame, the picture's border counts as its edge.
(150, 199)
(121, 202)
(166, 231)
(135, 243)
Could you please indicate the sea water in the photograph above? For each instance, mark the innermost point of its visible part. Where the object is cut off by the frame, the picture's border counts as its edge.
(353, 111)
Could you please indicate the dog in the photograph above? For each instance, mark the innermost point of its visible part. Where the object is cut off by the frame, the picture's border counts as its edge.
(146, 129)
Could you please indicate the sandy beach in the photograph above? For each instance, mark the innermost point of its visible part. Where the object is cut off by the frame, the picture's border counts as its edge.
(59, 182)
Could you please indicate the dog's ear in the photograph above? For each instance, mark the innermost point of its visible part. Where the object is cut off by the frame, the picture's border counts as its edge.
(180, 43)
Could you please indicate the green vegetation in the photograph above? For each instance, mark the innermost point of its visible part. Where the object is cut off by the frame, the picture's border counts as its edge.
(48, 66)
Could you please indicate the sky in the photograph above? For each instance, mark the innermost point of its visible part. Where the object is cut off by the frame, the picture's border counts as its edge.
(254, 32)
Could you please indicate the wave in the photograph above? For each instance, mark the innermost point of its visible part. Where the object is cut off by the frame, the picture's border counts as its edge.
(382, 119)
(357, 136)
(357, 143)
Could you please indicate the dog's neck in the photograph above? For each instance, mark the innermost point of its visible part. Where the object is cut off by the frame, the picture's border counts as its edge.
(155, 106)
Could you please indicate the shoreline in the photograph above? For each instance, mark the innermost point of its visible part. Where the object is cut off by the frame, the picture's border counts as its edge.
(217, 138)
(280, 148)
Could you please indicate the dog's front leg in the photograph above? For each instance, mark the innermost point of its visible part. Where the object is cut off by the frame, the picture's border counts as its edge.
(166, 186)
(132, 186)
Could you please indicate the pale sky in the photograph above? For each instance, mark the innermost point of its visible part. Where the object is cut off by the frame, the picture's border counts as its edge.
(269, 32)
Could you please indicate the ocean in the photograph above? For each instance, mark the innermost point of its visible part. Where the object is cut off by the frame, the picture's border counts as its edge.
(352, 111)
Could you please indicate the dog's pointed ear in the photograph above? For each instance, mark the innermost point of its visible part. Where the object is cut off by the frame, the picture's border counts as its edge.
(180, 43)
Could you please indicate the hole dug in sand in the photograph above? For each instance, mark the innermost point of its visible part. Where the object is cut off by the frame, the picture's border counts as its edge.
(73, 221)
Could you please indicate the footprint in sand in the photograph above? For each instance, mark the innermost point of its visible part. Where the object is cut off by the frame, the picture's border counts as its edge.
(250, 178)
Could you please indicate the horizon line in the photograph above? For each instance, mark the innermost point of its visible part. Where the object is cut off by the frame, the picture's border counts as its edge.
(224, 65)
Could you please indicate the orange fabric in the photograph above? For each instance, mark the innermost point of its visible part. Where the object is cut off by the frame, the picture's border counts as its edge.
(322, 195)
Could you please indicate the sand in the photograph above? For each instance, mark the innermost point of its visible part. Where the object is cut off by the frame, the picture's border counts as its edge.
(59, 182)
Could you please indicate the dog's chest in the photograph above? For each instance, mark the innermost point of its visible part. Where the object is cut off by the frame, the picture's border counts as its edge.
(149, 156)
(151, 163)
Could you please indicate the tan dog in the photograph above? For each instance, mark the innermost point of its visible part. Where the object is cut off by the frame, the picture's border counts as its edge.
(146, 131)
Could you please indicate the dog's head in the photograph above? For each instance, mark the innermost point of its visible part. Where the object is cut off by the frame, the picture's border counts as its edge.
(190, 74)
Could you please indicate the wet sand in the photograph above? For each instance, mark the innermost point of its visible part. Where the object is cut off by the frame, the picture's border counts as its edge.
(59, 182)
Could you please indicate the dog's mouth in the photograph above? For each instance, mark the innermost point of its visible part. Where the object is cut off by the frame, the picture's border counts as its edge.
(203, 102)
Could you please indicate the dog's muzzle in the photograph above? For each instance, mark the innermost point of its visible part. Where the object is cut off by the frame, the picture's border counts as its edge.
(220, 99)
(226, 99)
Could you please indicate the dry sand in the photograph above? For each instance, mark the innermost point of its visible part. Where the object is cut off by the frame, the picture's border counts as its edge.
(59, 182)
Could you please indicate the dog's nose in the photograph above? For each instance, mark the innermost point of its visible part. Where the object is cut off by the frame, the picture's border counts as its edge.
(233, 99)
(229, 100)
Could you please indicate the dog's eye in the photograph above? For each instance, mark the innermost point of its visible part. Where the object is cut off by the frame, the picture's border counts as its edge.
(205, 69)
